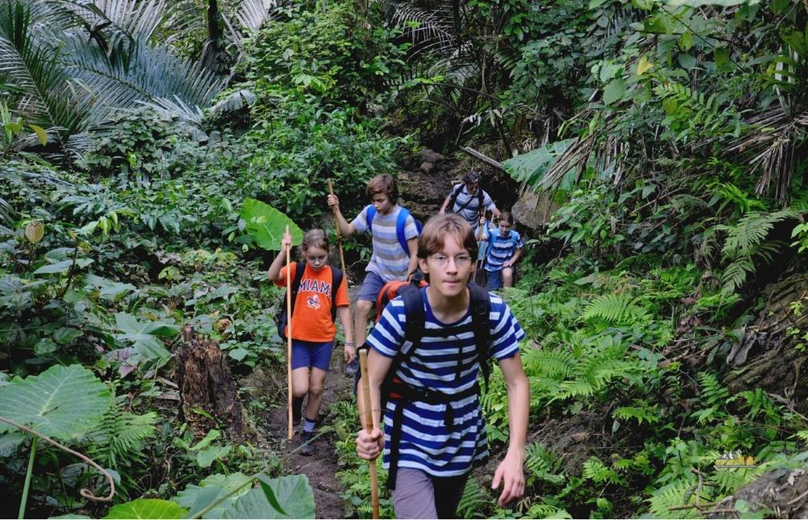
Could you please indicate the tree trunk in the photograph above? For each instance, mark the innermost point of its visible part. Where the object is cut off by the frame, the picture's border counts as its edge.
(769, 357)
(207, 387)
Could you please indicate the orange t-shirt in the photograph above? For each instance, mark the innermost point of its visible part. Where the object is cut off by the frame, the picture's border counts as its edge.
(311, 320)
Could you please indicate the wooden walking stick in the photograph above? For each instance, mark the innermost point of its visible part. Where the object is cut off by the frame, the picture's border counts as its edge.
(478, 263)
(367, 420)
(339, 236)
(368, 423)
(289, 433)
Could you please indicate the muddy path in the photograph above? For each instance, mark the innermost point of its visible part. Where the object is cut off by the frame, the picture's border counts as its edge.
(321, 467)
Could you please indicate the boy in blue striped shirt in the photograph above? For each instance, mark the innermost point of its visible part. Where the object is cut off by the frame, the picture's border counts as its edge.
(504, 249)
(434, 458)
(389, 261)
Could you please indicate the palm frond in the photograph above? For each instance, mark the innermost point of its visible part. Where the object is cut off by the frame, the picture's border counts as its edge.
(176, 106)
(252, 13)
(771, 140)
(233, 102)
(31, 63)
(149, 74)
(429, 30)
(7, 213)
(132, 18)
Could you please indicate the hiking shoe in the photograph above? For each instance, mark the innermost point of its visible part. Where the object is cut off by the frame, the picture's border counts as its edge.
(306, 444)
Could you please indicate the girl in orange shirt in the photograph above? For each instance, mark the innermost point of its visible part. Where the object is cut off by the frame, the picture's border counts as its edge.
(313, 331)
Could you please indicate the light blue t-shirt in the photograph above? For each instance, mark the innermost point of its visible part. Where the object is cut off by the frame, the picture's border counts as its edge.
(468, 206)
(500, 249)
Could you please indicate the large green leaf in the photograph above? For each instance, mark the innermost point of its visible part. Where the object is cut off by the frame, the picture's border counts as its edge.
(207, 456)
(614, 91)
(292, 494)
(143, 335)
(63, 266)
(531, 166)
(196, 498)
(147, 508)
(9, 443)
(266, 225)
(62, 402)
(109, 289)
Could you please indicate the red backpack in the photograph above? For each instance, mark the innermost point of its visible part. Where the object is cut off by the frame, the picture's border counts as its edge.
(394, 288)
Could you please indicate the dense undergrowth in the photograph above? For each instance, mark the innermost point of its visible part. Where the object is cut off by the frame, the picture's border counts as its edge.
(671, 139)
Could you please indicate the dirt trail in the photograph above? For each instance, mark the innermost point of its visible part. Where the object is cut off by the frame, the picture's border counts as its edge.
(322, 467)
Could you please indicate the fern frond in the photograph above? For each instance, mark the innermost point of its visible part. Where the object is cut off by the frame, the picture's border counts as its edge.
(595, 470)
(751, 230)
(117, 439)
(677, 493)
(644, 413)
(550, 363)
(615, 308)
(576, 388)
(472, 501)
(734, 276)
(713, 393)
(728, 480)
(547, 511)
(543, 464)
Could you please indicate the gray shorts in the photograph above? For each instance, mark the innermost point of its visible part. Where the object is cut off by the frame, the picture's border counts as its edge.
(419, 495)
(371, 287)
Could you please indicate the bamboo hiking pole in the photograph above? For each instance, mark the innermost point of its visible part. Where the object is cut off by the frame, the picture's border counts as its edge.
(339, 237)
(363, 372)
(289, 433)
(367, 419)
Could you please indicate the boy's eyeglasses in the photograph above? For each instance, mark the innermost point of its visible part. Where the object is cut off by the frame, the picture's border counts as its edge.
(316, 259)
(460, 260)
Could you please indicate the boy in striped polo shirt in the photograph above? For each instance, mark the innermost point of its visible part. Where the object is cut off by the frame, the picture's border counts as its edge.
(389, 261)
(434, 458)
(504, 249)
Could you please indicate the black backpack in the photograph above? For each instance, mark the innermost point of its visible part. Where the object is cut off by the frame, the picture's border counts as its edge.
(480, 304)
(394, 388)
(456, 193)
(280, 317)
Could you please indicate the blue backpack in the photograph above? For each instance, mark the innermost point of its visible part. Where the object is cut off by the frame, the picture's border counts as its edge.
(401, 223)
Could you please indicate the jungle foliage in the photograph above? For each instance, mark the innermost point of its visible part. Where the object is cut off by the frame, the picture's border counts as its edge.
(142, 144)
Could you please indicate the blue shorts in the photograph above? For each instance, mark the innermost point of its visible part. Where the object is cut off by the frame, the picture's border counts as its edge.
(307, 354)
(493, 280)
(371, 287)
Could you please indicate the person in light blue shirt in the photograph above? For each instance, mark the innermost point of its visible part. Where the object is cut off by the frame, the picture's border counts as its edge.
(504, 249)
(469, 200)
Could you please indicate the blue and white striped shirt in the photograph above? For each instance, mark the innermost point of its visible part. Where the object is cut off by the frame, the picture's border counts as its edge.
(389, 260)
(471, 211)
(500, 248)
(426, 443)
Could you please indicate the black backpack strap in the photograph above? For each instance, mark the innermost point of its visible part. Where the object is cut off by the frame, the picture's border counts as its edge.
(480, 303)
(336, 281)
(300, 267)
(413, 331)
